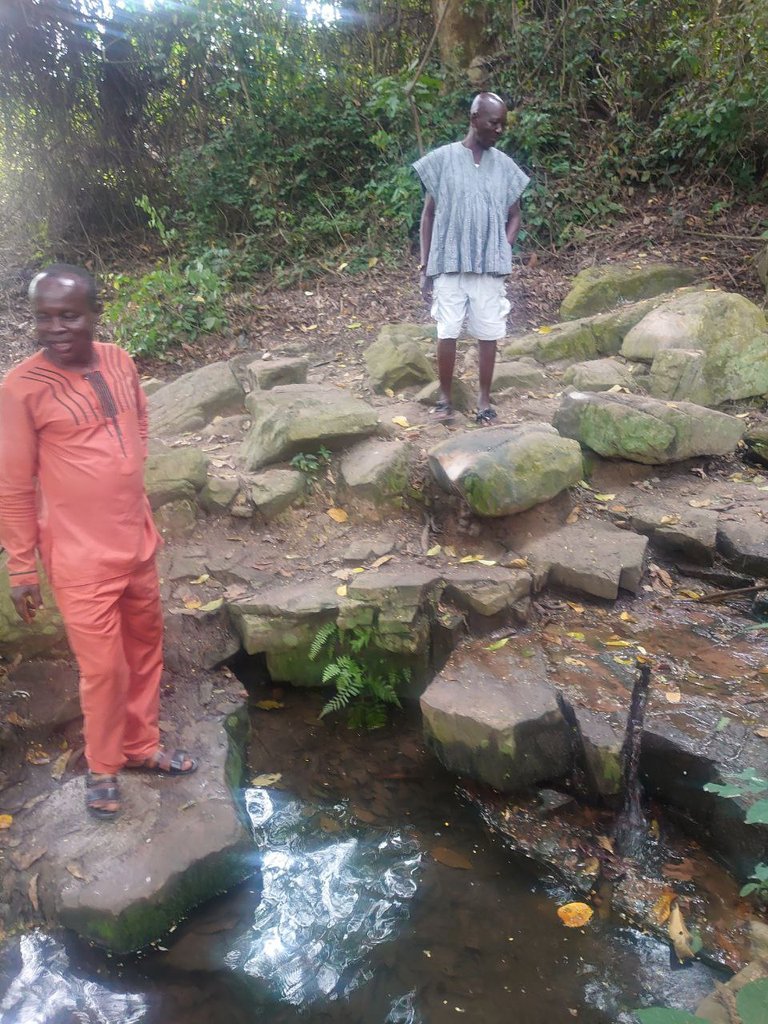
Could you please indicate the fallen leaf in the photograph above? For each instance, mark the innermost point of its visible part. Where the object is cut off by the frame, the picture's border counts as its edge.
(669, 520)
(34, 899)
(619, 643)
(573, 515)
(578, 608)
(6, 820)
(342, 574)
(75, 871)
(662, 575)
(518, 563)
(400, 421)
(450, 550)
(699, 502)
(381, 561)
(673, 696)
(450, 858)
(498, 644)
(193, 603)
(354, 325)
(724, 722)
(269, 705)
(626, 617)
(434, 550)
(543, 330)
(212, 606)
(574, 661)
(591, 866)
(338, 515)
(389, 392)
(680, 936)
(575, 915)
(36, 755)
(341, 266)
(604, 497)
(762, 732)
(60, 765)
(663, 906)
(266, 780)
(605, 844)
(690, 595)
(23, 861)
(470, 558)
(486, 561)
(342, 590)
(201, 579)
(15, 719)
(575, 635)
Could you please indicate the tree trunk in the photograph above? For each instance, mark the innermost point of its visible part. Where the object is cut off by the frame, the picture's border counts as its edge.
(460, 35)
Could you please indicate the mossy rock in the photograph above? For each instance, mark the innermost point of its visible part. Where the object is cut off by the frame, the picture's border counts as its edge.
(598, 289)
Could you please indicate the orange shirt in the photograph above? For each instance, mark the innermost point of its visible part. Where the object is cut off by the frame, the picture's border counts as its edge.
(72, 451)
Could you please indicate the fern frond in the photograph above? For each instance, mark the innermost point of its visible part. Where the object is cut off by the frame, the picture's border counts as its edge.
(330, 672)
(322, 638)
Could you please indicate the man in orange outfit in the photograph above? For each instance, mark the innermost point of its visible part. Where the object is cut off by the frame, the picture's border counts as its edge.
(73, 440)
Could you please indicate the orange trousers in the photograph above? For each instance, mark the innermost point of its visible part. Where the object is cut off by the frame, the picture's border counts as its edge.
(115, 630)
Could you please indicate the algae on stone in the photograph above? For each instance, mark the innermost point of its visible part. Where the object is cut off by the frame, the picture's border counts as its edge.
(601, 288)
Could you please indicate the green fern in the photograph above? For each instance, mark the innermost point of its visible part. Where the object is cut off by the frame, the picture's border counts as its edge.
(327, 632)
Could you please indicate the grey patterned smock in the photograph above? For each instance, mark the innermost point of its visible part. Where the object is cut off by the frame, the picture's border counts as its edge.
(471, 209)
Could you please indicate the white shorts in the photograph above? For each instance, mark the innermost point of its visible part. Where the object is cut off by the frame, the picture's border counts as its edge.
(481, 299)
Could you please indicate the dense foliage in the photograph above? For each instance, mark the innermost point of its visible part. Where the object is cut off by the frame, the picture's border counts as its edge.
(285, 136)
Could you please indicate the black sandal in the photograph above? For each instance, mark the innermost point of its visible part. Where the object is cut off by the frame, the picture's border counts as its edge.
(485, 416)
(102, 789)
(164, 763)
(442, 411)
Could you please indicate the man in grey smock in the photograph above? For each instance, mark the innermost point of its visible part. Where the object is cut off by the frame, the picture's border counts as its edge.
(469, 224)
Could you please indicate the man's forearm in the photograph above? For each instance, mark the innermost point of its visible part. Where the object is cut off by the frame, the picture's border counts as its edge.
(514, 220)
(425, 231)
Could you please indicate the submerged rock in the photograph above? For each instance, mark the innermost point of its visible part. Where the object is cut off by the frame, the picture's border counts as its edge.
(643, 429)
(195, 399)
(503, 470)
(601, 288)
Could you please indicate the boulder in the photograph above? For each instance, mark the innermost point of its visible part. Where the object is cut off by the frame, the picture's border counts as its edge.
(745, 545)
(493, 716)
(302, 417)
(690, 533)
(194, 399)
(592, 557)
(503, 470)
(377, 470)
(707, 347)
(219, 493)
(597, 289)
(150, 385)
(461, 395)
(600, 375)
(276, 490)
(176, 519)
(398, 358)
(643, 429)
(266, 374)
(172, 475)
(756, 440)
(44, 634)
(487, 593)
(518, 374)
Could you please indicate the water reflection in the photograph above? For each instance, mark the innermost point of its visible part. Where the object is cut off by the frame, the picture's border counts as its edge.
(46, 992)
(332, 891)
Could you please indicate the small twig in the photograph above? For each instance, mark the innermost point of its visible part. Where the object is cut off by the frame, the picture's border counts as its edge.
(717, 234)
(723, 595)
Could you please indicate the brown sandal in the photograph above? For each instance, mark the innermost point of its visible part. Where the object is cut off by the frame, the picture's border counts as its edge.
(102, 789)
(164, 763)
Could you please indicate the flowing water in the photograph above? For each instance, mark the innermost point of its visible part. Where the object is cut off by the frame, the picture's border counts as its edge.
(380, 899)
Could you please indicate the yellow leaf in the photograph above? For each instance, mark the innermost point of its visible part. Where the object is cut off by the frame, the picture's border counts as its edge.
(498, 644)
(389, 392)
(692, 595)
(604, 497)
(486, 561)
(269, 705)
(198, 298)
(212, 606)
(619, 643)
(267, 779)
(400, 421)
(434, 550)
(354, 325)
(200, 579)
(338, 515)
(680, 936)
(622, 661)
(626, 617)
(663, 906)
(575, 635)
(544, 330)
(591, 866)
(381, 561)
(605, 843)
(342, 266)
(6, 820)
(573, 515)
(358, 568)
(306, 330)
(342, 590)
(575, 915)
(578, 608)
(673, 696)
(193, 603)
(373, 261)
(762, 732)
(470, 558)
(574, 661)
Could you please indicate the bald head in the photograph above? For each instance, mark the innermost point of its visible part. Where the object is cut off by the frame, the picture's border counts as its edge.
(70, 276)
(487, 120)
(485, 100)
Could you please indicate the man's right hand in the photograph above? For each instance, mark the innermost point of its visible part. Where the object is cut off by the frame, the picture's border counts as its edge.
(26, 600)
(425, 286)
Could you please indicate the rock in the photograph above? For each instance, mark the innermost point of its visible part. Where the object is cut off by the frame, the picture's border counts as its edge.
(518, 374)
(745, 545)
(601, 750)
(398, 359)
(44, 634)
(643, 429)
(219, 493)
(150, 385)
(687, 532)
(276, 490)
(592, 557)
(756, 440)
(269, 374)
(761, 265)
(707, 347)
(461, 395)
(503, 470)
(377, 470)
(176, 519)
(494, 717)
(126, 884)
(302, 417)
(368, 548)
(713, 1010)
(172, 475)
(194, 399)
(599, 375)
(53, 699)
(488, 593)
(602, 288)
(227, 427)
(283, 617)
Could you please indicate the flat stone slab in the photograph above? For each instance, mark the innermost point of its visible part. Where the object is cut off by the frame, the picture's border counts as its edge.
(301, 417)
(504, 470)
(486, 590)
(493, 716)
(194, 400)
(600, 375)
(745, 545)
(645, 430)
(377, 470)
(593, 557)
(518, 374)
(265, 374)
(179, 841)
(680, 531)
(275, 490)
